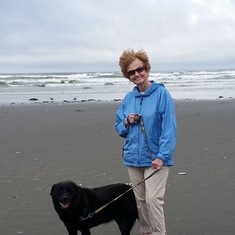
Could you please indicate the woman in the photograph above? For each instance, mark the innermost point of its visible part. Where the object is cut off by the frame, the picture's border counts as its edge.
(146, 119)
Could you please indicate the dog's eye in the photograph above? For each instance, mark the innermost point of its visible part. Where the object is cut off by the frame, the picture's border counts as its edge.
(60, 191)
(70, 191)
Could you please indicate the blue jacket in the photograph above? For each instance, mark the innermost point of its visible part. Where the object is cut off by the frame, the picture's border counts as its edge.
(158, 114)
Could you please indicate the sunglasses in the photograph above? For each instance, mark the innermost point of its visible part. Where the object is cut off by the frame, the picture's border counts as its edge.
(138, 70)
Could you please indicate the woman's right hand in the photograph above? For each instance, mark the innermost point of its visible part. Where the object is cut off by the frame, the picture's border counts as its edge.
(131, 119)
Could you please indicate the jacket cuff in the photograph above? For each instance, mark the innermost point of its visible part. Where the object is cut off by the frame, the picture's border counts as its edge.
(159, 156)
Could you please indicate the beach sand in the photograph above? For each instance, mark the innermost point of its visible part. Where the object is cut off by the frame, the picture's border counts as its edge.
(43, 144)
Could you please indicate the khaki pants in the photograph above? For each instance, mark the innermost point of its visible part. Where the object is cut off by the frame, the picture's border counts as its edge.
(150, 198)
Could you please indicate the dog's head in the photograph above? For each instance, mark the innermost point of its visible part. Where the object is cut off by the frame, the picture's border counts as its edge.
(64, 193)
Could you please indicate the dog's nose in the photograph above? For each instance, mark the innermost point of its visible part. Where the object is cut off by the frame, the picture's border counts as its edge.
(64, 198)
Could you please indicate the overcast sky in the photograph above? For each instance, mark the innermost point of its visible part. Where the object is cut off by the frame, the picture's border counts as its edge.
(90, 35)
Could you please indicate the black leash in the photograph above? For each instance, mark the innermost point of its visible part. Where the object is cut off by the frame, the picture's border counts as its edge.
(145, 137)
(90, 215)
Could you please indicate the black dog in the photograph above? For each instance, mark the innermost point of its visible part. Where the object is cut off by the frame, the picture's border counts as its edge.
(74, 203)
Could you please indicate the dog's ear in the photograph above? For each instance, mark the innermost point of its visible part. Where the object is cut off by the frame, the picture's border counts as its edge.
(79, 189)
(52, 189)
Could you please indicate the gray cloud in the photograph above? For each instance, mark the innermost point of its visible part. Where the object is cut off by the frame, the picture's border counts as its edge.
(70, 35)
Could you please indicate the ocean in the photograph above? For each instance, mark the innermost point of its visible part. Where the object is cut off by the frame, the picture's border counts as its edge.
(109, 86)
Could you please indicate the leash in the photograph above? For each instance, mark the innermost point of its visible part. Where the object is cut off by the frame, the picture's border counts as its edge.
(145, 136)
(92, 214)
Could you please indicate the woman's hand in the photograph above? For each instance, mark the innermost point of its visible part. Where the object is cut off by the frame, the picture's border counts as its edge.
(157, 164)
(131, 119)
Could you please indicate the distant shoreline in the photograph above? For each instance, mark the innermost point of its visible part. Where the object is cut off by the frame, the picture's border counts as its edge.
(34, 101)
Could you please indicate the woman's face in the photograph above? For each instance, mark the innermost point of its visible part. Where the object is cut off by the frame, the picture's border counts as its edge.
(137, 73)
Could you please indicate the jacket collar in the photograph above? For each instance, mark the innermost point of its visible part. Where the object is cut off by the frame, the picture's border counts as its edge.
(149, 90)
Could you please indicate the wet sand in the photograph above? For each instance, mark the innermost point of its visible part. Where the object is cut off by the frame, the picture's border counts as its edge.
(42, 144)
